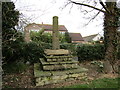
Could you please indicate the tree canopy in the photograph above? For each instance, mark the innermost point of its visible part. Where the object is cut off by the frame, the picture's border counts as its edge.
(10, 18)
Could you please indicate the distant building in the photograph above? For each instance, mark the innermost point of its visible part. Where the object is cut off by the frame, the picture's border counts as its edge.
(47, 28)
(95, 37)
(76, 38)
(37, 27)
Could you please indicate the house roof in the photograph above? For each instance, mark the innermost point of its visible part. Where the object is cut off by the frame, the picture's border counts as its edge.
(48, 27)
(76, 37)
(89, 38)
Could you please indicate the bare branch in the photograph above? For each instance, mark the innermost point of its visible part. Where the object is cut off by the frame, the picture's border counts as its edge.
(88, 6)
(104, 6)
(70, 8)
(92, 18)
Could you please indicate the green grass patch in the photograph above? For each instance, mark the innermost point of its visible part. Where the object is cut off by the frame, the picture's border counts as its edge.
(99, 83)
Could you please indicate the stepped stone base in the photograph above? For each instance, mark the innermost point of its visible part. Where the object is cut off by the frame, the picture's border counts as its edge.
(61, 65)
(51, 77)
(56, 52)
(52, 58)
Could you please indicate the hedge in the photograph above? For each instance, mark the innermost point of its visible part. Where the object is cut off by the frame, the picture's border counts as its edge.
(69, 46)
(91, 52)
(32, 52)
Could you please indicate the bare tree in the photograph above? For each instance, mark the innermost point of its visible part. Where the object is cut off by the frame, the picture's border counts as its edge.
(111, 16)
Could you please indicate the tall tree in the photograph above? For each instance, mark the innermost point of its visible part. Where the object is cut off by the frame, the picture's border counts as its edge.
(110, 33)
(10, 36)
(111, 18)
(10, 18)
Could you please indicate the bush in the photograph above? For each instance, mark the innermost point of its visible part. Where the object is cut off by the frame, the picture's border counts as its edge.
(69, 46)
(32, 52)
(91, 52)
(18, 51)
(11, 49)
(44, 45)
(15, 67)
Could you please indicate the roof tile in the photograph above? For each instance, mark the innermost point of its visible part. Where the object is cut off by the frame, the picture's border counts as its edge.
(76, 37)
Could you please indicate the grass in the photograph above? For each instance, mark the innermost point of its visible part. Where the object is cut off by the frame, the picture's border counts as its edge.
(99, 83)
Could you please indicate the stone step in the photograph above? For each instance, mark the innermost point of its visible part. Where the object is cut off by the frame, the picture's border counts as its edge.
(56, 52)
(39, 73)
(50, 77)
(57, 62)
(58, 58)
(59, 67)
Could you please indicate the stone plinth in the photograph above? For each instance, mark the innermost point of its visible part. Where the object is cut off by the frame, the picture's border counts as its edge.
(61, 65)
(56, 52)
(51, 77)
(58, 60)
(57, 65)
(52, 58)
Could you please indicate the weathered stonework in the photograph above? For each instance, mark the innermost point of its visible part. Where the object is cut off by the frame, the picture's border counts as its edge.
(57, 65)
(56, 52)
(55, 38)
(51, 77)
(27, 34)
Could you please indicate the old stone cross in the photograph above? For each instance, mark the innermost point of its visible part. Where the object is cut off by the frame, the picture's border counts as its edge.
(55, 35)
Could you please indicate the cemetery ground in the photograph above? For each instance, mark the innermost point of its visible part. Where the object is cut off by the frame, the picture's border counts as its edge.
(96, 78)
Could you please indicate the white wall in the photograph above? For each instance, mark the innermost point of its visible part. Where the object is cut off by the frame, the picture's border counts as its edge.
(97, 38)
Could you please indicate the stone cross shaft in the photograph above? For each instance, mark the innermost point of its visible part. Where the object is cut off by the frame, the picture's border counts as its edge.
(55, 34)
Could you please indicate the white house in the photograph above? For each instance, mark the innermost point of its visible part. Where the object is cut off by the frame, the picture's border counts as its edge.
(95, 37)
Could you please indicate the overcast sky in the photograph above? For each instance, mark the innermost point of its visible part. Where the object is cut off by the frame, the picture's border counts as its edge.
(72, 17)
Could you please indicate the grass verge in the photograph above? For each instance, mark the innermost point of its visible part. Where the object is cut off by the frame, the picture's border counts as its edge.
(99, 83)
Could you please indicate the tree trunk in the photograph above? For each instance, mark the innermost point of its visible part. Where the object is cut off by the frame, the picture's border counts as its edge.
(110, 35)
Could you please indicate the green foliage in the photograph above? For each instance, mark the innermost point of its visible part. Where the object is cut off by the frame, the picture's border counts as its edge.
(10, 18)
(22, 51)
(11, 49)
(45, 45)
(99, 65)
(31, 52)
(69, 46)
(93, 52)
(43, 37)
(67, 37)
(62, 38)
(90, 52)
(15, 67)
(11, 38)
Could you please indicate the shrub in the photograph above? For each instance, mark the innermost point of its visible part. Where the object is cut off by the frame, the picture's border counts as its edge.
(44, 45)
(15, 67)
(91, 52)
(69, 46)
(32, 52)
(18, 51)
(11, 49)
